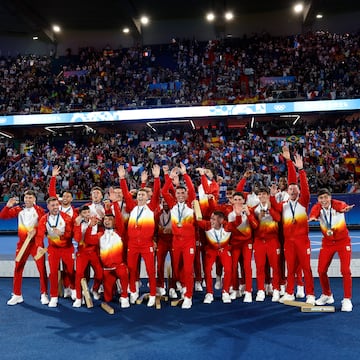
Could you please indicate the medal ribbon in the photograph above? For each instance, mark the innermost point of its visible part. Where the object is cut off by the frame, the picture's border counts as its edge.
(180, 213)
(293, 209)
(56, 223)
(327, 222)
(139, 213)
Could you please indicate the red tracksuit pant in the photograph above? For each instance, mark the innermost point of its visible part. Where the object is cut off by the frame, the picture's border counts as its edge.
(109, 280)
(326, 255)
(224, 256)
(244, 249)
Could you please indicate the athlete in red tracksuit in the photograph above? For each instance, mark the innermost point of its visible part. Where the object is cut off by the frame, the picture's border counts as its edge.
(266, 244)
(208, 188)
(87, 253)
(57, 226)
(217, 247)
(163, 247)
(28, 218)
(242, 242)
(336, 239)
(141, 228)
(183, 229)
(109, 240)
(296, 232)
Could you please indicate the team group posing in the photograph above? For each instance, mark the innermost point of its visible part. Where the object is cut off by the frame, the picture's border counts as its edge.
(113, 235)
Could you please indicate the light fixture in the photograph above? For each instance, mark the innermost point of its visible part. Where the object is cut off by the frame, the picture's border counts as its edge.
(298, 8)
(10, 136)
(144, 20)
(252, 122)
(126, 30)
(56, 28)
(210, 16)
(35, 38)
(319, 16)
(229, 16)
(295, 116)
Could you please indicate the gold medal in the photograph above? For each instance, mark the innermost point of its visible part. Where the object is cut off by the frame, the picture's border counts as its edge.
(329, 232)
(293, 221)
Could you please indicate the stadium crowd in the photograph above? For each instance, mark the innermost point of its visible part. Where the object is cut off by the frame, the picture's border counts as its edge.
(256, 68)
(330, 152)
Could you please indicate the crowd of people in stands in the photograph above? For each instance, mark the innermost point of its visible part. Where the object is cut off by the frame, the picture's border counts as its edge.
(330, 154)
(255, 68)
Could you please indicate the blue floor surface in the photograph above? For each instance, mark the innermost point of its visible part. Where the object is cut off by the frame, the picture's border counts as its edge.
(216, 331)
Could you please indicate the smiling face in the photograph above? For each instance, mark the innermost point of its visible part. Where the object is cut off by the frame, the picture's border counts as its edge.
(29, 200)
(181, 195)
(293, 191)
(53, 207)
(141, 197)
(324, 200)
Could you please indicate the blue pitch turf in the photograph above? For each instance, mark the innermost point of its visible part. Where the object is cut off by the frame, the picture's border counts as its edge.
(234, 331)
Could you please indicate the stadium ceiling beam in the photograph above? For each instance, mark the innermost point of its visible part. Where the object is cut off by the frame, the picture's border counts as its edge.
(35, 23)
(133, 13)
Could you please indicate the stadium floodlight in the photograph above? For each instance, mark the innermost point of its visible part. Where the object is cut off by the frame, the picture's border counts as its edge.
(210, 16)
(319, 16)
(56, 28)
(126, 30)
(299, 8)
(144, 20)
(229, 16)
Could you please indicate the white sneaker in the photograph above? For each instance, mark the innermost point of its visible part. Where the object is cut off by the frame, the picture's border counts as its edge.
(67, 292)
(310, 299)
(53, 302)
(15, 299)
(287, 297)
(151, 301)
(275, 296)
(242, 290)
(133, 297)
(124, 302)
(226, 298)
(248, 297)
(282, 290)
(178, 286)
(300, 294)
(160, 291)
(187, 303)
(96, 295)
(268, 289)
(218, 284)
(172, 293)
(44, 299)
(346, 305)
(183, 292)
(260, 296)
(234, 294)
(325, 299)
(77, 303)
(198, 286)
(209, 298)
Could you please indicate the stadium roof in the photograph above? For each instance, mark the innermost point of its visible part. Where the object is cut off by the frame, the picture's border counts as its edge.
(21, 17)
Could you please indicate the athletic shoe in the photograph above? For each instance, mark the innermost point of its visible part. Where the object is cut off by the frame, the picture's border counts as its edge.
(44, 299)
(160, 291)
(53, 302)
(96, 295)
(268, 289)
(234, 295)
(275, 296)
(310, 299)
(198, 286)
(300, 294)
(325, 299)
(260, 296)
(172, 293)
(133, 297)
(282, 290)
(124, 302)
(77, 303)
(187, 303)
(287, 297)
(346, 305)
(67, 292)
(15, 299)
(248, 297)
(226, 298)
(209, 298)
(242, 290)
(151, 301)
(218, 284)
